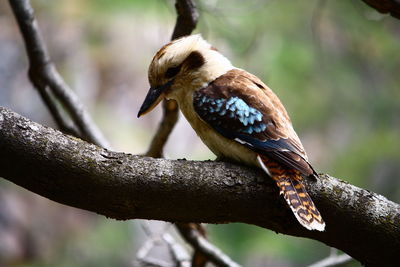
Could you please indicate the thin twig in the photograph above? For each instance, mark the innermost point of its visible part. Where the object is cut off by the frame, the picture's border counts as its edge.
(199, 258)
(64, 125)
(333, 259)
(214, 254)
(44, 76)
(187, 18)
(168, 121)
(180, 254)
(185, 23)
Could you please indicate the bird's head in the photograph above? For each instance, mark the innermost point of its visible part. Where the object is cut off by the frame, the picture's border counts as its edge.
(180, 67)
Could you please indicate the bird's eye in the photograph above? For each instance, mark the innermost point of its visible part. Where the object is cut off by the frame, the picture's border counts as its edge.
(173, 71)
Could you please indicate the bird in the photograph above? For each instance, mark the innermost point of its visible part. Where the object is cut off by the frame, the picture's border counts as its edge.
(236, 115)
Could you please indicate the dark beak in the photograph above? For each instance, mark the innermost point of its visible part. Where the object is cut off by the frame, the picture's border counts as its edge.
(153, 97)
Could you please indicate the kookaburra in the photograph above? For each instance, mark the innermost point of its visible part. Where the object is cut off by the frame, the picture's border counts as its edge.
(236, 115)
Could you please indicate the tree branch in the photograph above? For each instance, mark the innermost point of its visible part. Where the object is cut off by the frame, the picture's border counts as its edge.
(391, 7)
(333, 259)
(48, 81)
(199, 242)
(185, 23)
(65, 169)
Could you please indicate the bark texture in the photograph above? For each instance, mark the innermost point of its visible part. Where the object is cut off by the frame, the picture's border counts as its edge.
(68, 170)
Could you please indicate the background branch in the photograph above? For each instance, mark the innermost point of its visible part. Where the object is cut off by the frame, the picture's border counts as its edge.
(199, 242)
(391, 7)
(185, 23)
(332, 260)
(48, 81)
(123, 186)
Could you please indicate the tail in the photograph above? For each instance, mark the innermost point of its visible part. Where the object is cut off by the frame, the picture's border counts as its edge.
(295, 194)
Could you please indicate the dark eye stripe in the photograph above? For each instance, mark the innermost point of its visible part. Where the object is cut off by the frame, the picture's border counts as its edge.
(172, 72)
(195, 60)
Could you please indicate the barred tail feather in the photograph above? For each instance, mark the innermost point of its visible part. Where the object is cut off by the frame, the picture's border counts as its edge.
(300, 202)
(295, 194)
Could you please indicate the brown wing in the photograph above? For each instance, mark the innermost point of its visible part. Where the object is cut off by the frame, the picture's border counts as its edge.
(241, 107)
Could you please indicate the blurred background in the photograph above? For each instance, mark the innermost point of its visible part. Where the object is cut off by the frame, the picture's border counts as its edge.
(334, 64)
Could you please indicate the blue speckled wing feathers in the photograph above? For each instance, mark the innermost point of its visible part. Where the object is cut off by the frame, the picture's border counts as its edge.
(240, 107)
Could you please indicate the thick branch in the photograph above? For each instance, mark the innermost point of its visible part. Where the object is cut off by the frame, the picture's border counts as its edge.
(123, 186)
